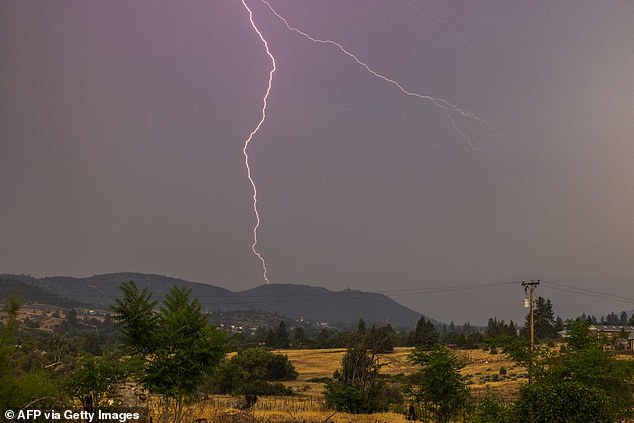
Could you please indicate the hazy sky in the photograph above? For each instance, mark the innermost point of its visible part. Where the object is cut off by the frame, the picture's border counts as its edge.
(122, 126)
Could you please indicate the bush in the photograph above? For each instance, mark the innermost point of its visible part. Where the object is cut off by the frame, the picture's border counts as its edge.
(249, 372)
(491, 410)
(356, 387)
(279, 368)
(439, 386)
(502, 370)
(565, 401)
(265, 388)
(349, 398)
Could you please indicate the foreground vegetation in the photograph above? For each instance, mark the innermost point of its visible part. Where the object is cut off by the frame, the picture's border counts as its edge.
(179, 367)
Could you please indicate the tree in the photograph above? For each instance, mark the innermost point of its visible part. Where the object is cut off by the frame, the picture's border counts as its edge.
(381, 339)
(612, 319)
(137, 319)
(251, 370)
(71, 318)
(544, 320)
(424, 336)
(179, 347)
(623, 318)
(583, 383)
(20, 386)
(439, 385)
(92, 378)
(282, 337)
(563, 401)
(361, 326)
(577, 336)
(356, 387)
(498, 332)
(586, 362)
(299, 337)
(491, 410)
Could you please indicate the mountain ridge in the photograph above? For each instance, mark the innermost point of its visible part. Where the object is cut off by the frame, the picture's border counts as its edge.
(295, 301)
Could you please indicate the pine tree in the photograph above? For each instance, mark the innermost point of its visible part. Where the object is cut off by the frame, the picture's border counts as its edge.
(623, 318)
(282, 337)
(424, 336)
(544, 319)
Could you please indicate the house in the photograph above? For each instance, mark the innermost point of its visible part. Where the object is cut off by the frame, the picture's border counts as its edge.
(613, 331)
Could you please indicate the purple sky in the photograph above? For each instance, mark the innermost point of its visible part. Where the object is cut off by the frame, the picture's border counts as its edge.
(122, 126)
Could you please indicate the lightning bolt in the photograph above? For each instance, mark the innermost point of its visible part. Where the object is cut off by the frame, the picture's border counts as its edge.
(420, 12)
(447, 108)
(444, 105)
(250, 138)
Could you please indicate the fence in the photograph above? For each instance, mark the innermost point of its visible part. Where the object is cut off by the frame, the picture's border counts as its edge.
(268, 403)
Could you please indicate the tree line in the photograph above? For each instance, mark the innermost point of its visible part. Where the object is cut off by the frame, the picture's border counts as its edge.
(171, 349)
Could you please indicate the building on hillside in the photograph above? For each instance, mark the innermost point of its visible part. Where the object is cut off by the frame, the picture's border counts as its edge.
(613, 331)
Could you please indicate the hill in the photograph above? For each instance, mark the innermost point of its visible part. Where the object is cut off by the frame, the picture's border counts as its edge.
(341, 308)
(101, 290)
(32, 294)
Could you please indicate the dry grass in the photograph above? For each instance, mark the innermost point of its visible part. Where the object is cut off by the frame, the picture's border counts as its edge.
(308, 405)
(239, 416)
(482, 367)
(270, 409)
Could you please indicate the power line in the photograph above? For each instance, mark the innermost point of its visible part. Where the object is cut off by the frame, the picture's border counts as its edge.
(588, 292)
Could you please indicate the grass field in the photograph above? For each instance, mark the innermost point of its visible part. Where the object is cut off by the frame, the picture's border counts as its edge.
(308, 405)
(481, 366)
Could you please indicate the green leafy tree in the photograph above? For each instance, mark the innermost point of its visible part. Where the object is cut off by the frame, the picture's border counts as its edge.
(594, 368)
(20, 386)
(491, 410)
(583, 383)
(439, 386)
(578, 337)
(356, 387)
(251, 371)
(563, 401)
(92, 378)
(178, 345)
(137, 319)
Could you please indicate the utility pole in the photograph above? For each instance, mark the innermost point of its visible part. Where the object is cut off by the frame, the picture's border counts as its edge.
(531, 285)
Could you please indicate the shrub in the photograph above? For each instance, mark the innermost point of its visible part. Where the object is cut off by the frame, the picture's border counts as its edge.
(490, 410)
(564, 401)
(347, 398)
(249, 372)
(439, 386)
